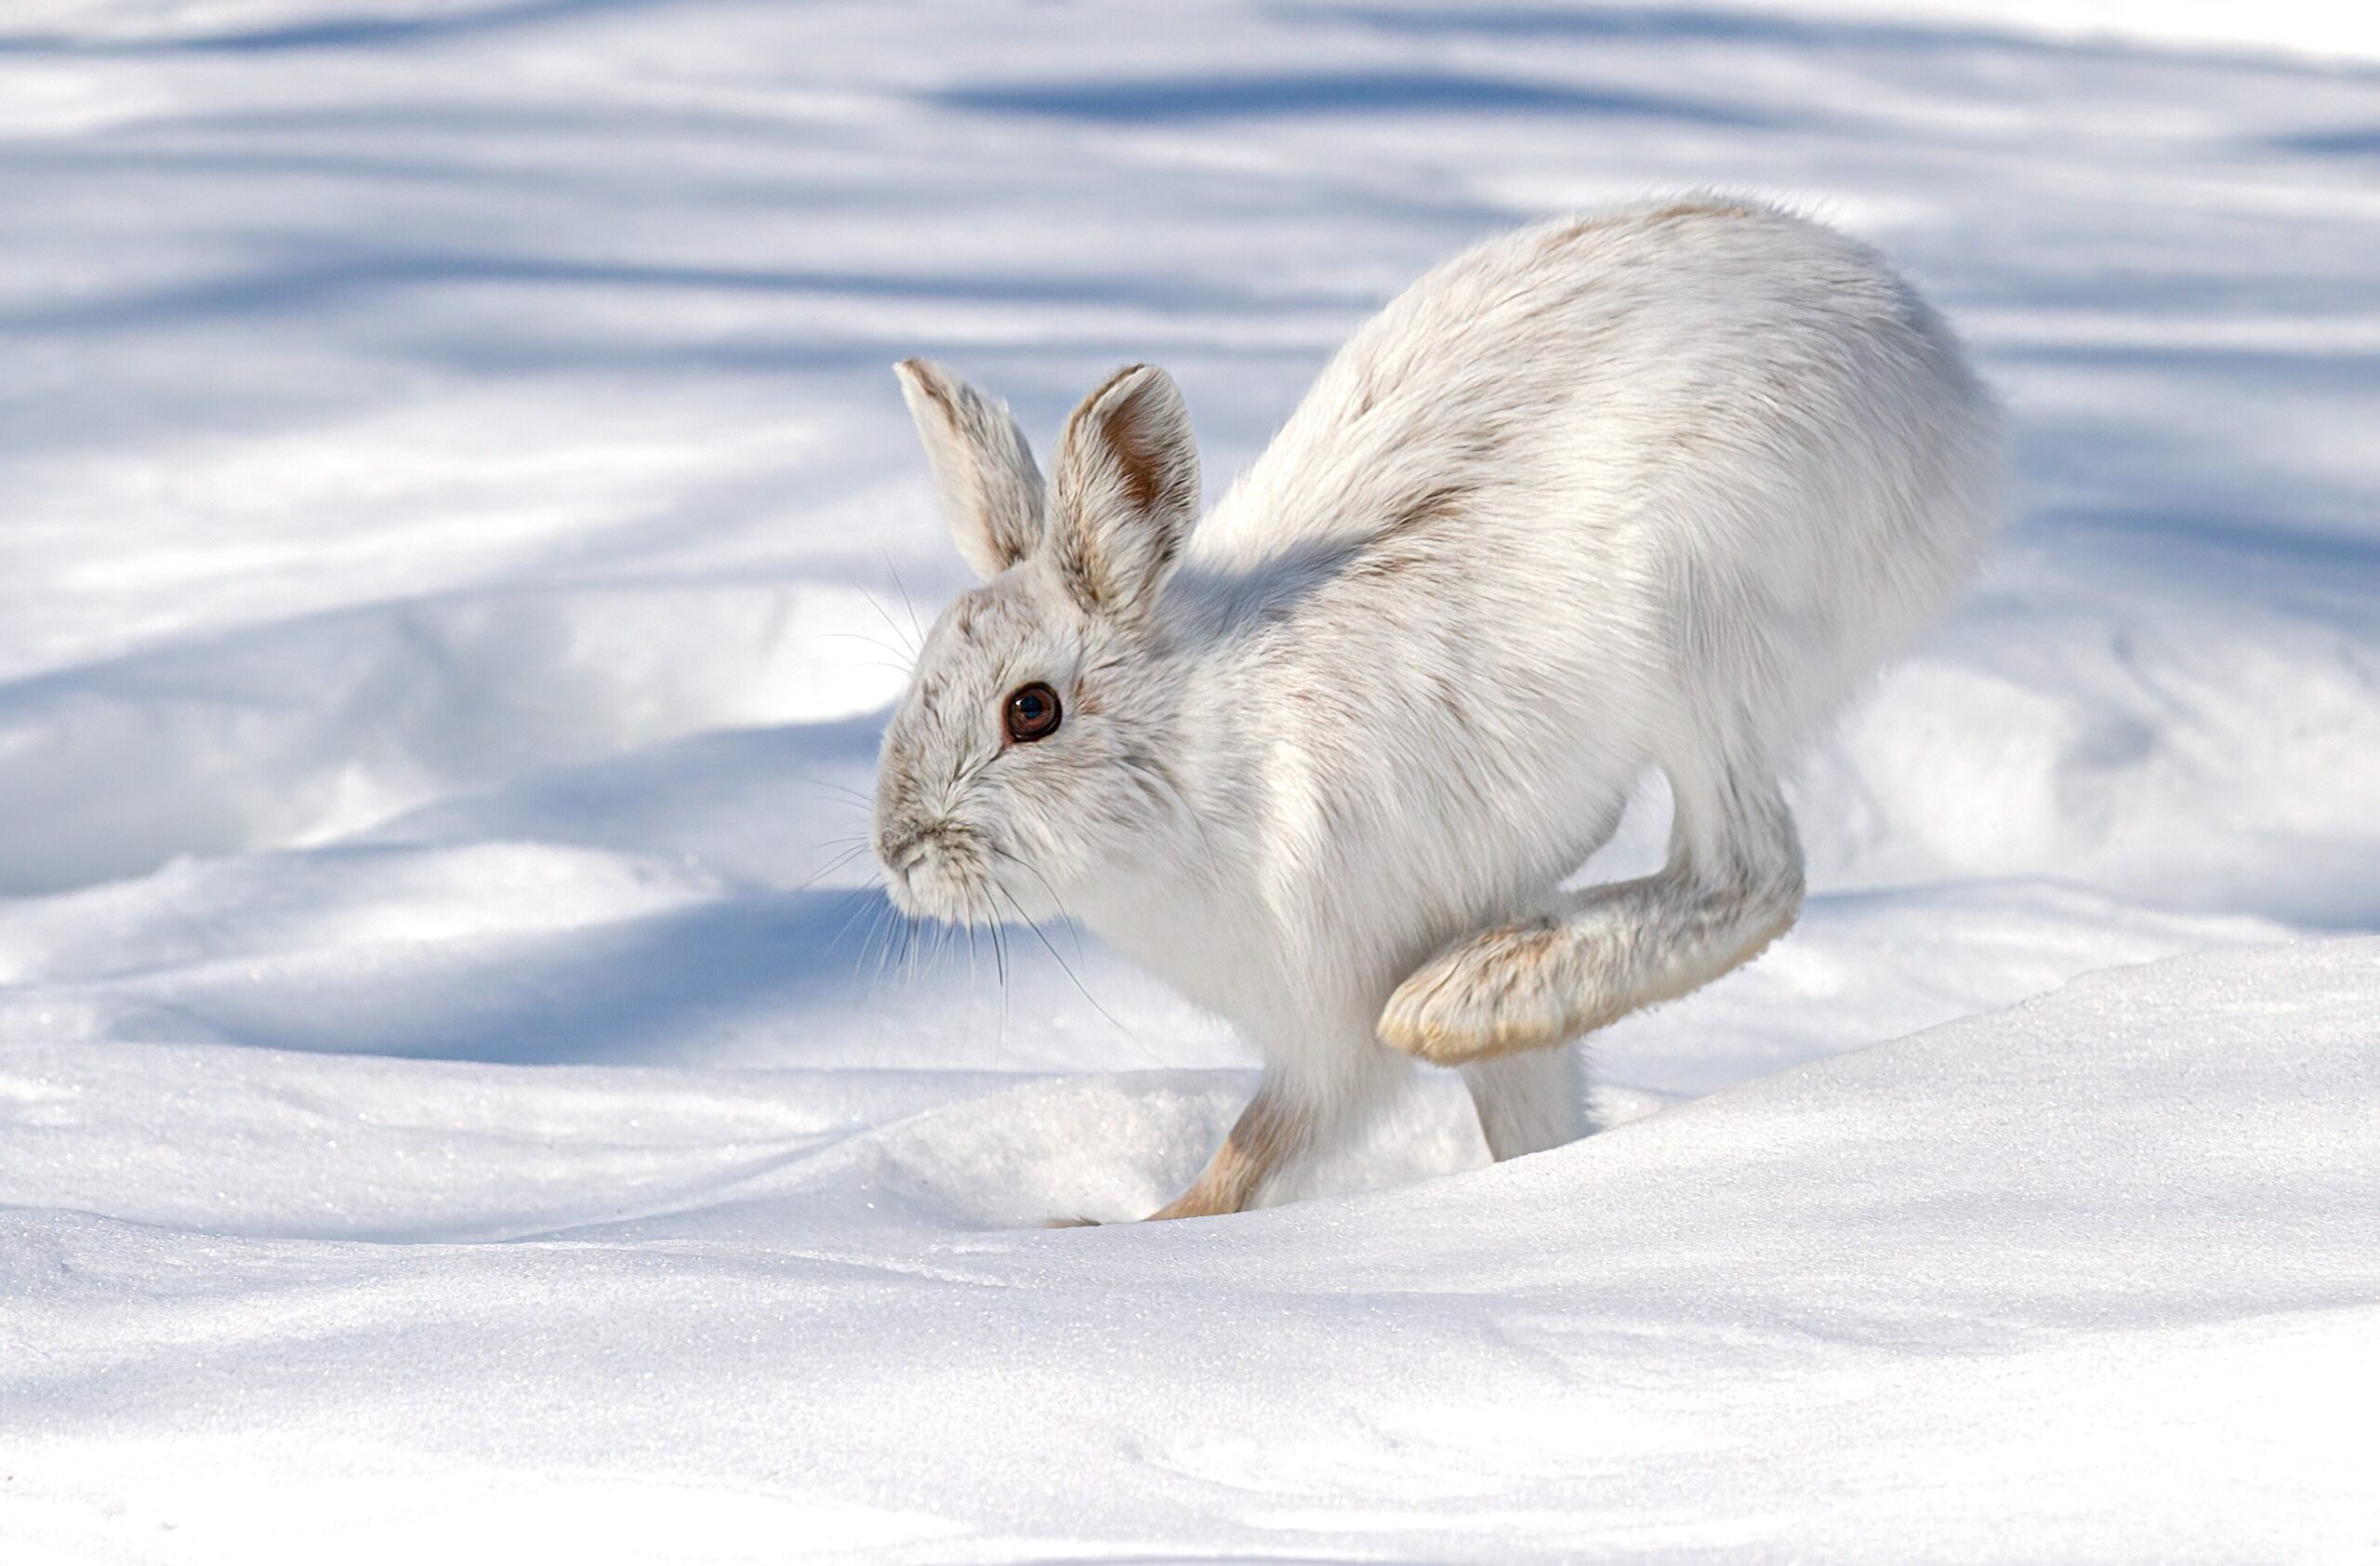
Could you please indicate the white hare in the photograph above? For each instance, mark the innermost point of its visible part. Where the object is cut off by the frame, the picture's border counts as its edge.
(1648, 488)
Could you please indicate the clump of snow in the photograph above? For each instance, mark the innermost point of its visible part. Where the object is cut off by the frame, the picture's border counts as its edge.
(460, 1090)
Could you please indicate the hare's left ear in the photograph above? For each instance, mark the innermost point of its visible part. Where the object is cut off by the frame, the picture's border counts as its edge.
(1127, 491)
(983, 469)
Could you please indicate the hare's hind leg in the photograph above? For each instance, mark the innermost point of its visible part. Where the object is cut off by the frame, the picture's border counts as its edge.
(1733, 884)
(1529, 1102)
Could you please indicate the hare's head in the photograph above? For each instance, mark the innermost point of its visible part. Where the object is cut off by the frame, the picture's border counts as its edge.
(1029, 755)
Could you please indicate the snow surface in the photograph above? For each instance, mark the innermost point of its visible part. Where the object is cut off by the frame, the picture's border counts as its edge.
(462, 538)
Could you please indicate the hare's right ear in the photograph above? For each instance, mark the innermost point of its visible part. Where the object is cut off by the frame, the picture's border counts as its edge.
(983, 469)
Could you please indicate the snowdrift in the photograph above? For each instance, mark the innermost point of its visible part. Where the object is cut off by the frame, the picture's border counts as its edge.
(2093, 1277)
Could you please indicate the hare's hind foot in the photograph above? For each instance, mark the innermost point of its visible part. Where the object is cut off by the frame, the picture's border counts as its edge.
(1536, 985)
(1733, 884)
(1503, 990)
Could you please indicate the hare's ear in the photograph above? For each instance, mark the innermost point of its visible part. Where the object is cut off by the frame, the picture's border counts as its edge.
(983, 469)
(1126, 490)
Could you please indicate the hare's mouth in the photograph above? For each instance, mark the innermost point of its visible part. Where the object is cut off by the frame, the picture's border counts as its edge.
(941, 870)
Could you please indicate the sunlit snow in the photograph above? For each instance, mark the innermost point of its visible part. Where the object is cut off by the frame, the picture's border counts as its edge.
(460, 1098)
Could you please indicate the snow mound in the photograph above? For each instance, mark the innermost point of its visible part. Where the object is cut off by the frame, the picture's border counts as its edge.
(2091, 1277)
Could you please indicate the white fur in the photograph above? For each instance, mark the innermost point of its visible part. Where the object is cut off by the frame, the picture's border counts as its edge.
(1655, 487)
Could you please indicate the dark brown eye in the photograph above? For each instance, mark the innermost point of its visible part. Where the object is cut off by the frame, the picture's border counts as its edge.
(1033, 714)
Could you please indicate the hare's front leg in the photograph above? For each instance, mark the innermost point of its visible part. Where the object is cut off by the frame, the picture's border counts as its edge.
(1269, 1131)
(1310, 1098)
(1529, 1102)
(1733, 884)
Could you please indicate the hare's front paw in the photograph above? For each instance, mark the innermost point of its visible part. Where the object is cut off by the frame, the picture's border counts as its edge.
(1493, 993)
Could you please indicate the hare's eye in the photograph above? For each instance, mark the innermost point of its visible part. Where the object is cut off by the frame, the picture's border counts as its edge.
(1033, 714)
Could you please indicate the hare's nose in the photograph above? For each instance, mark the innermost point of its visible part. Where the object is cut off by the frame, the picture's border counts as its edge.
(899, 850)
(900, 847)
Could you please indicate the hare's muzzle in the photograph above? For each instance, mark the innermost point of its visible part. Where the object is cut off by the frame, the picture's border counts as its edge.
(937, 870)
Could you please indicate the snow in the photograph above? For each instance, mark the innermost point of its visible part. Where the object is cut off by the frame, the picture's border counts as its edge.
(462, 536)
(2089, 1279)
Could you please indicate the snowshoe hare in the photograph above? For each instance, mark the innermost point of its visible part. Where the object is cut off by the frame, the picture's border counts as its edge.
(1648, 488)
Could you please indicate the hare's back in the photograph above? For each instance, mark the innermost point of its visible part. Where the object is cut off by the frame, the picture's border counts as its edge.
(1720, 441)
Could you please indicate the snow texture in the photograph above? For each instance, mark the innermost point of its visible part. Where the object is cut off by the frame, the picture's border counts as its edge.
(457, 1100)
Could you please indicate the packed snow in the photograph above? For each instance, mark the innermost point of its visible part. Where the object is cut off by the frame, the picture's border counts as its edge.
(461, 1091)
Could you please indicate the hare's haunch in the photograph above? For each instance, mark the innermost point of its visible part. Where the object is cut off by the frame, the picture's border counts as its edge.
(1651, 489)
